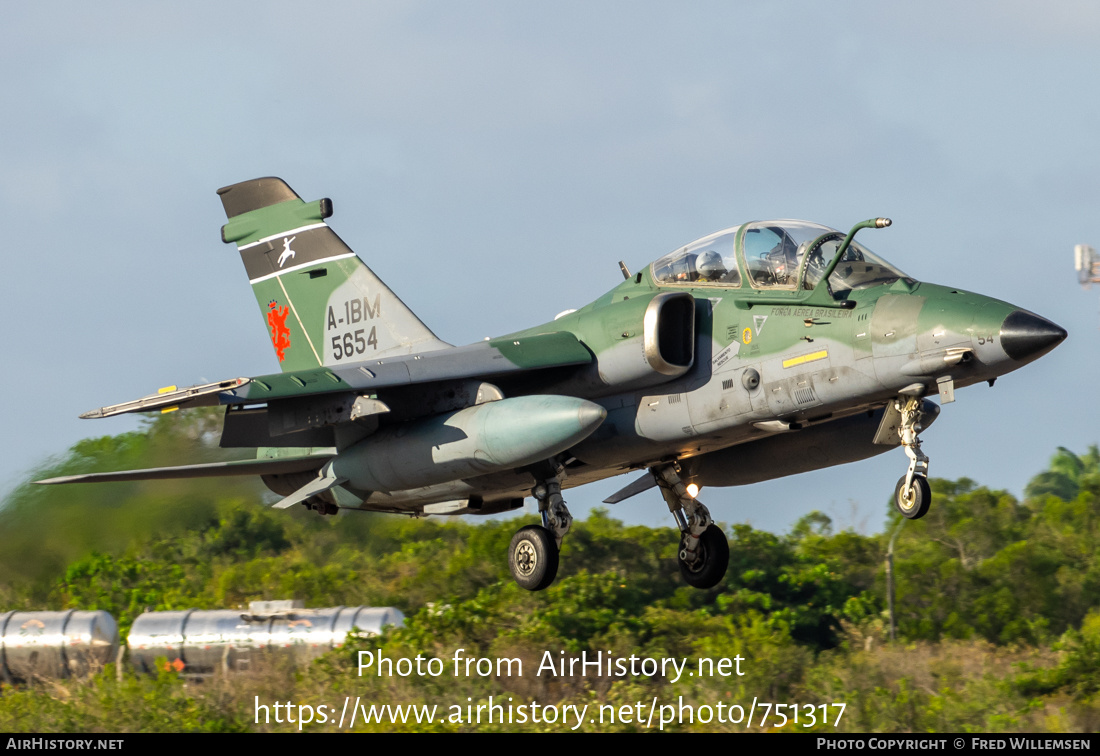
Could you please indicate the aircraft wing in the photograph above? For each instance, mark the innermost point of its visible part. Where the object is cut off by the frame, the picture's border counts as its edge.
(277, 466)
(169, 398)
(485, 359)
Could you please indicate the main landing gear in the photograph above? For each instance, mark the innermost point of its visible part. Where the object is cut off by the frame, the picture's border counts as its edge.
(704, 551)
(533, 552)
(912, 495)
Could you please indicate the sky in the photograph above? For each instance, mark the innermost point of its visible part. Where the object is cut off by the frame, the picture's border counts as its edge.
(493, 161)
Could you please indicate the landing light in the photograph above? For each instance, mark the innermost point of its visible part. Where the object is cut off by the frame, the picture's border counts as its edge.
(693, 490)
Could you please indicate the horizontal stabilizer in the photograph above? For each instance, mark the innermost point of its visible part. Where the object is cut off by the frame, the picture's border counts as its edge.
(279, 466)
(324, 481)
(172, 398)
(643, 483)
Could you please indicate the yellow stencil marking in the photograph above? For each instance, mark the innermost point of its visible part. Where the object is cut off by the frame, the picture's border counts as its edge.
(812, 357)
(746, 335)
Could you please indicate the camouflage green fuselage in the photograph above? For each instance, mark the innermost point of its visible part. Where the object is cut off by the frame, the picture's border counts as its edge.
(735, 366)
(824, 372)
(815, 365)
(764, 350)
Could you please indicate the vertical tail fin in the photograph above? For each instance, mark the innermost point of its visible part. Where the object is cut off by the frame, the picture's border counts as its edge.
(320, 303)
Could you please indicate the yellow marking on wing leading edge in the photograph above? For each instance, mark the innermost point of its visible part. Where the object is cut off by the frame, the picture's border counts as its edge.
(812, 357)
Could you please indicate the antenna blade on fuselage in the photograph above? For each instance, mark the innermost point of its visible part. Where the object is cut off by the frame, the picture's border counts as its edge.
(643, 483)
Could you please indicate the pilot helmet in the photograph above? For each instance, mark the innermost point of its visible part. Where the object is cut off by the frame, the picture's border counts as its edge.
(710, 266)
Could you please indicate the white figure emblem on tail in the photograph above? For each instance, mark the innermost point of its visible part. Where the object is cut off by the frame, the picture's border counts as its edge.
(287, 251)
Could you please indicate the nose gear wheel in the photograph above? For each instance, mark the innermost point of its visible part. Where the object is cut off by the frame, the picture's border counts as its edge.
(914, 499)
(912, 495)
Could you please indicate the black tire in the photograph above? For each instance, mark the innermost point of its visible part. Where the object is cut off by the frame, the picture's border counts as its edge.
(533, 557)
(914, 503)
(714, 559)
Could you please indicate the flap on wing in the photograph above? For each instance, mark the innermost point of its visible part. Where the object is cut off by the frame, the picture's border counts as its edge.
(278, 466)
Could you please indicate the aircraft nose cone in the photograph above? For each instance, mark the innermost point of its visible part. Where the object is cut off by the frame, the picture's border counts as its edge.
(1025, 335)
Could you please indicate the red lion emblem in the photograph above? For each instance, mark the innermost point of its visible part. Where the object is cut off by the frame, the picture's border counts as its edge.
(280, 334)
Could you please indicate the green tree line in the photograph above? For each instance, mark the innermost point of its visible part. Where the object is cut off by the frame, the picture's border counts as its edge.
(998, 612)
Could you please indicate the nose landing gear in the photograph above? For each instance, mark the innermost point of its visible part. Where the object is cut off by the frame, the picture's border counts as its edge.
(913, 500)
(704, 552)
(912, 495)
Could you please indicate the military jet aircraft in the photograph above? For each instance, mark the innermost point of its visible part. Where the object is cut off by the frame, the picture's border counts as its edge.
(768, 349)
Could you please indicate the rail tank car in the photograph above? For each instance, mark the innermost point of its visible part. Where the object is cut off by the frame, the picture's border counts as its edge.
(56, 644)
(203, 641)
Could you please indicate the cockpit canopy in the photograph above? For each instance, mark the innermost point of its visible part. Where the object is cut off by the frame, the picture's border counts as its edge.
(774, 255)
